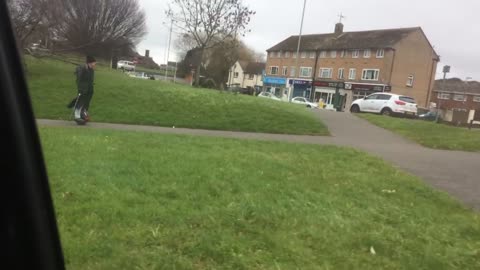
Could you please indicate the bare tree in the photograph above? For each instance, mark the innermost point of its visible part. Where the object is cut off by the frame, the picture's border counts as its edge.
(260, 57)
(29, 18)
(217, 60)
(210, 22)
(184, 44)
(100, 25)
(90, 26)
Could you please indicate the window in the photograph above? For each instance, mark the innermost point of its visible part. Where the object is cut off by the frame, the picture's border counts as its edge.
(323, 54)
(293, 72)
(294, 55)
(305, 72)
(459, 98)
(273, 70)
(384, 97)
(279, 54)
(304, 55)
(287, 54)
(355, 54)
(407, 99)
(343, 54)
(410, 80)
(476, 98)
(312, 54)
(341, 73)
(326, 73)
(445, 96)
(285, 71)
(235, 75)
(372, 97)
(272, 54)
(370, 74)
(333, 54)
(367, 53)
(250, 76)
(380, 53)
(352, 75)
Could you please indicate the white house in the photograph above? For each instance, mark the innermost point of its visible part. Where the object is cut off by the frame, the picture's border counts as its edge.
(246, 75)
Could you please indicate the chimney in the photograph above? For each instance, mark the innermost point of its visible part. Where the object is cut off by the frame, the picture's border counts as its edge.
(147, 53)
(338, 29)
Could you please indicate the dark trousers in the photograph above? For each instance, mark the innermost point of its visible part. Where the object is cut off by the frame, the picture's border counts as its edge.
(82, 100)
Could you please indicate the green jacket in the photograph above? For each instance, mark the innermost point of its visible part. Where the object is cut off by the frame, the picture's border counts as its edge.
(85, 78)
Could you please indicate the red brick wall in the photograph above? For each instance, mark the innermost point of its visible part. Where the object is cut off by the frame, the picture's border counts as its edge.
(453, 104)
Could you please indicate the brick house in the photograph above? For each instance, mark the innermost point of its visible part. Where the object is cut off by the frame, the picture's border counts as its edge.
(246, 75)
(459, 101)
(357, 63)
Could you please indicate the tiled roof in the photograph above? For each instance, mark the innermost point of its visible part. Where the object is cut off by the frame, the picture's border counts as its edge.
(255, 68)
(243, 64)
(456, 85)
(386, 38)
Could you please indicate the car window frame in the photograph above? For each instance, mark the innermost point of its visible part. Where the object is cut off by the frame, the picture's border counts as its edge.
(28, 228)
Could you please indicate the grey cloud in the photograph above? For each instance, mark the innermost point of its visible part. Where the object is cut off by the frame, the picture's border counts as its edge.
(452, 27)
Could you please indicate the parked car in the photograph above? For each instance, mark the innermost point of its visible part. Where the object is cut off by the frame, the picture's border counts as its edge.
(429, 116)
(268, 95)
(304, 101)
(141, 75)
(126, 65)
(386, 104)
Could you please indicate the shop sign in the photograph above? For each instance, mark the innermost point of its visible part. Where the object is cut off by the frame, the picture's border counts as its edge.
(299, 82)
(330, 84)
(274, 80)
(367, 87)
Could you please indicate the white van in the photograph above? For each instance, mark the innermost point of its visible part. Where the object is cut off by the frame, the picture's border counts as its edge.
(126, 65)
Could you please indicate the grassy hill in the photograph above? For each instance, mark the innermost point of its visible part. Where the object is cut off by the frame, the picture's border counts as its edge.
(121, 99)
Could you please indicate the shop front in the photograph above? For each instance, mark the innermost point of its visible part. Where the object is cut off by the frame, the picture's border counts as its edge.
(332, 94)
(275, 85)
(300, 88)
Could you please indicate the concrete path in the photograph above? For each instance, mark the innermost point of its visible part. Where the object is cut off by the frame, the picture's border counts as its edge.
(455, 172)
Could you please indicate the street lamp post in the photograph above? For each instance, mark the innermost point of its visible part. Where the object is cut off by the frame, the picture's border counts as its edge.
(168, 51)
(297, 69)
(446, 69)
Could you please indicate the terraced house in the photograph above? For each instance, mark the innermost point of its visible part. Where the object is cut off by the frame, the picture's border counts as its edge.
(357, 63)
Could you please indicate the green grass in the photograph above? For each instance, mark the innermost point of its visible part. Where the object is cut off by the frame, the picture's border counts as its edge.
(429, 134)
(121, 99)
(148, 201)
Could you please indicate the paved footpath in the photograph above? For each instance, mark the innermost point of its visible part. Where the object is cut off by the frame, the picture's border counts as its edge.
(455, 172)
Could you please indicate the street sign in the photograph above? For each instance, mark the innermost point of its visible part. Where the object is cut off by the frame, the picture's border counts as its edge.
(446, 69)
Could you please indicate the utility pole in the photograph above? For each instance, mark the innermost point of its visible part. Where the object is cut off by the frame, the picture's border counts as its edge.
(297, 69)
(175, 75)
(446, 69)
(168, 51)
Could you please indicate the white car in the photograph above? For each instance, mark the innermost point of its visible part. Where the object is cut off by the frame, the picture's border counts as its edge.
(268, 95)
(126, 65)
(304, 101)
(386, 104)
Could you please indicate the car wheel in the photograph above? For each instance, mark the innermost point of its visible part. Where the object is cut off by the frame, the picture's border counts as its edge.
(355, 109)
(386, 111)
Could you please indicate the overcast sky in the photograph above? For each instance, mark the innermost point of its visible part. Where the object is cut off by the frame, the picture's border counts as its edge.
(453, 27)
